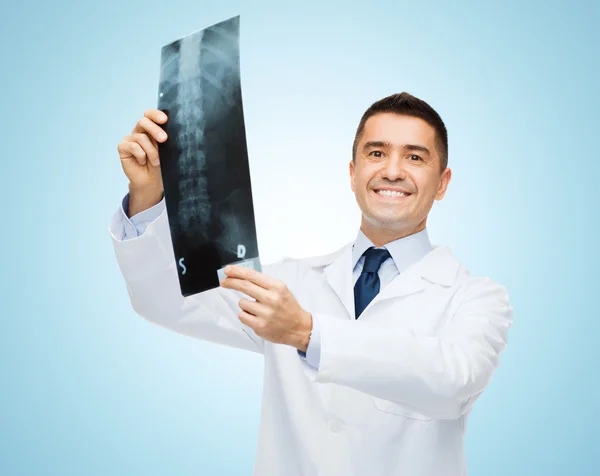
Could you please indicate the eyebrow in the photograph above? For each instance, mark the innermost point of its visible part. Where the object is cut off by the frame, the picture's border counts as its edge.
(379, 143)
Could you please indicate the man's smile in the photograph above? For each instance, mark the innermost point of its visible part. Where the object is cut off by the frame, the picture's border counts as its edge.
(391, 194)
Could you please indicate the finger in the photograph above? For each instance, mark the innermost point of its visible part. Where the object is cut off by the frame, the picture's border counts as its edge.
(246, 287)
(256, 277)
(134, 149)
(254, 307)
(155, 115)
(147, 144)
(151, 128)
(251, 321)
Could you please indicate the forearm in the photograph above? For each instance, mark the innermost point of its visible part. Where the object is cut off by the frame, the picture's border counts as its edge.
(439, 375)
(148, 267)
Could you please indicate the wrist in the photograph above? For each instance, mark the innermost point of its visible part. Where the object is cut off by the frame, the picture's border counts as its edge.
(140, 200)
(305, 334)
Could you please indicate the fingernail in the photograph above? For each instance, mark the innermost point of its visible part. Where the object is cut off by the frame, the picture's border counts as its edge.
(162, 136)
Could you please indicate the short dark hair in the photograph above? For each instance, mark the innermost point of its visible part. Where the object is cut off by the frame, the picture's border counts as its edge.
(408, 105)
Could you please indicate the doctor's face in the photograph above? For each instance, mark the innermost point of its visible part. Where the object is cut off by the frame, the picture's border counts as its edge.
(396, 176)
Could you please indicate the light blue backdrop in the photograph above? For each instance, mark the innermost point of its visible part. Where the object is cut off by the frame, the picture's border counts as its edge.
(90, 388)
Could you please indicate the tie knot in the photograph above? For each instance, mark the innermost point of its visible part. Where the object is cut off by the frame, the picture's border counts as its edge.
(374, 258)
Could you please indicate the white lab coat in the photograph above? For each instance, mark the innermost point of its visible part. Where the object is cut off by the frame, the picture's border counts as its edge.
(394, 388)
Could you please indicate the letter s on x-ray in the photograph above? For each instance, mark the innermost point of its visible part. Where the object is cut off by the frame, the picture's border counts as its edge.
(241, 252)
(182, 265)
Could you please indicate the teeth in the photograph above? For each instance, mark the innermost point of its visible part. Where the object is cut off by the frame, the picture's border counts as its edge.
(389, 193)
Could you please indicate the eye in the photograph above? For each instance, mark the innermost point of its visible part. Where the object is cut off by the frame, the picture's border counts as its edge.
(376, 152)
(417, 156)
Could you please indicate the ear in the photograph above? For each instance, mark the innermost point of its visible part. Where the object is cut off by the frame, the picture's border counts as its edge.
(444, 181)
(352, 175)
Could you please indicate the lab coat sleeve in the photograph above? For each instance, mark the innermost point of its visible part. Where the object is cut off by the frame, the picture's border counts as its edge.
(147, 263)
(439, 376)
(137, 224)
(313, 351)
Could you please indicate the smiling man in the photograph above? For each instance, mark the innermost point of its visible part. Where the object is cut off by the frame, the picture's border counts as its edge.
(375, 353)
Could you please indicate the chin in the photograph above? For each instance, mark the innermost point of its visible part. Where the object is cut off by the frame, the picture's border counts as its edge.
(389, 221)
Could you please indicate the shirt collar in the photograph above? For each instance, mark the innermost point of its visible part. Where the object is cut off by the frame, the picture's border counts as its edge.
(404, 251)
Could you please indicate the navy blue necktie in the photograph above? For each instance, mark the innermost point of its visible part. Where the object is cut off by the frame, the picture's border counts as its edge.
(367, 285)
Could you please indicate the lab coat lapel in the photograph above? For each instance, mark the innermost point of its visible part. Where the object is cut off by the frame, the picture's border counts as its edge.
(439, 266)
(339, 276)
(404, 284)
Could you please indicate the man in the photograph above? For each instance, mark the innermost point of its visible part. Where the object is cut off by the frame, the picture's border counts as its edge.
(375, 353)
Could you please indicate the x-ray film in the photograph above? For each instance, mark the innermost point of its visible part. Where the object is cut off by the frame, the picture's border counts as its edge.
(204, 161)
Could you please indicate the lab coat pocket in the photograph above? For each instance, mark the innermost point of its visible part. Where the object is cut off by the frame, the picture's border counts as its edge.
(398, 409)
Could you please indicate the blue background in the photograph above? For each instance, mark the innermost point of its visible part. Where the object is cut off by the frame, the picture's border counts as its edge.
(88, 387)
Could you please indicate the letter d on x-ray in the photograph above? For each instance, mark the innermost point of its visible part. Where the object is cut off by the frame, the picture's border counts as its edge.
(241, 251)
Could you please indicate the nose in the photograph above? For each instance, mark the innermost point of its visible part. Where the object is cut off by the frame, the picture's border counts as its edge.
(393, 169)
